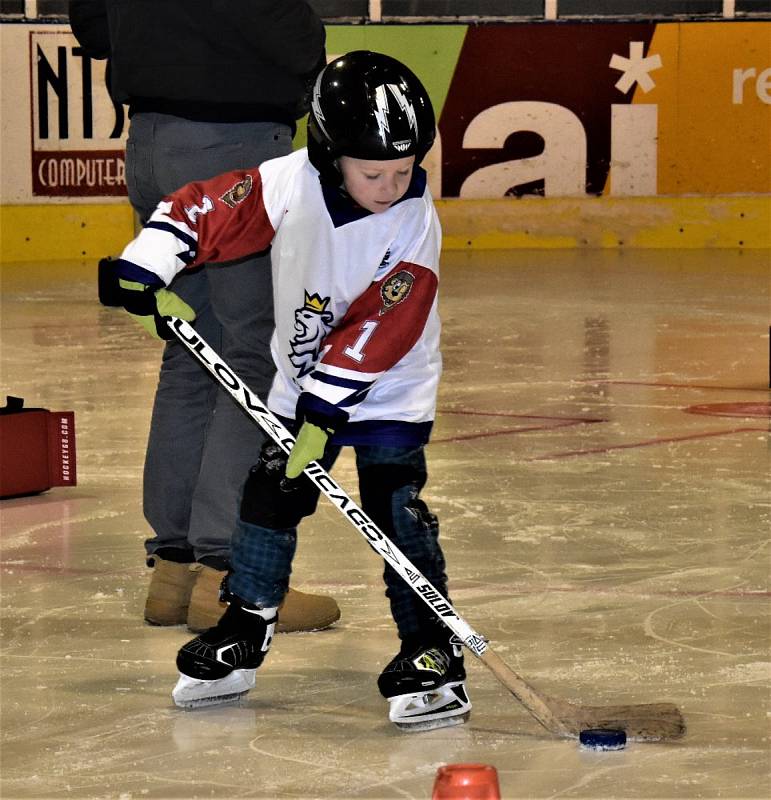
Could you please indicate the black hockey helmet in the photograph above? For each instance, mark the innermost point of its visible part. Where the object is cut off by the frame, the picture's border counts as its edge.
(368, 105)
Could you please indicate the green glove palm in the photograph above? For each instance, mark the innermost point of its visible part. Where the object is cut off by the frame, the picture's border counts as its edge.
(149, 307)
(309, 446)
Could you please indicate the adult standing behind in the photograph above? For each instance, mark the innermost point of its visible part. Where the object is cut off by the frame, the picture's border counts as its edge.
(210, 87)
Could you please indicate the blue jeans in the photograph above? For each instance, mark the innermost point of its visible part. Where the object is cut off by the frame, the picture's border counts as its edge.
(201, 444)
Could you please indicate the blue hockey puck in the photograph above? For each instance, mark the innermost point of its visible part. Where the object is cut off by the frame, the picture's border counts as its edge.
(598, 739)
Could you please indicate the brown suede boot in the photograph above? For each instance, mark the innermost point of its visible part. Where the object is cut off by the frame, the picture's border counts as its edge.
(306, 612)
(168, 595)
(298, 612)
(205, 607)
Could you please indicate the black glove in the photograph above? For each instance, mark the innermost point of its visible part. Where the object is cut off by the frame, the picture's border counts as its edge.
(148, 305)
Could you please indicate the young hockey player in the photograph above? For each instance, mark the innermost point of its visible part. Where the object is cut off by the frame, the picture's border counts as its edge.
(355, 249)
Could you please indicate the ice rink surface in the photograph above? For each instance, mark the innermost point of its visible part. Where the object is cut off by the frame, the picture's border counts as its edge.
(600, 468)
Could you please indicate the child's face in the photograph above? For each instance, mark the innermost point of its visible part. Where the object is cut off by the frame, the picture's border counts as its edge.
(376, 185)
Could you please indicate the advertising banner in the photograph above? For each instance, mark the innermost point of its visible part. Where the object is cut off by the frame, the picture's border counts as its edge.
(62, 135)
(76, 130)
(557, 110)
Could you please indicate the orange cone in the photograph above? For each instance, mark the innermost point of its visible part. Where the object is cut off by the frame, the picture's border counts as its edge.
(466, 782)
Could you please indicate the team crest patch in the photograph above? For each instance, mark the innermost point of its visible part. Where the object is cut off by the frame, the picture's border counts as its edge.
(238, 193)
(396, 289)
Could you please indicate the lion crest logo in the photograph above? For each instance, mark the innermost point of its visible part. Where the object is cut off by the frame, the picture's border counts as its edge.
(311, 324)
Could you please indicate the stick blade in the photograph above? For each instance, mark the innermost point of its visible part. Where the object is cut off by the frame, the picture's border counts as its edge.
(646, 722)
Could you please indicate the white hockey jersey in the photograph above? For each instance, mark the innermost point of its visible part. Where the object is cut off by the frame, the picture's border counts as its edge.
(355, 293)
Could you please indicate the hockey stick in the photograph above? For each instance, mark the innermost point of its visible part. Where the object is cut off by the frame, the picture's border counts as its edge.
(646, 722)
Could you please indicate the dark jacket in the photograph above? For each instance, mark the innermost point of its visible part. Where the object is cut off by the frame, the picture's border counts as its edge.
(212, 60)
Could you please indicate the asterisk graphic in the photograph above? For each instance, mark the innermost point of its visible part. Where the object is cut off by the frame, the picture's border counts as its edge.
(635, 68)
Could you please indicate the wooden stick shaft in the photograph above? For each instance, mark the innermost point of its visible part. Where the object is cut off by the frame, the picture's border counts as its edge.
(532, 700)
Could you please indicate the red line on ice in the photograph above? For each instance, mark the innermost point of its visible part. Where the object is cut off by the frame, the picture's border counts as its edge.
(648, 443)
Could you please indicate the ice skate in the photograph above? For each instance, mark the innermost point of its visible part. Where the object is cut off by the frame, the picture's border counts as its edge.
(195, 693)
(219, 665)
(424, 684)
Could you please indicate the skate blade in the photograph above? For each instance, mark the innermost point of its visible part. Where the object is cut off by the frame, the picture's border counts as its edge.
(440, 708)
(433, 724)
(203, 702)
(193, 693)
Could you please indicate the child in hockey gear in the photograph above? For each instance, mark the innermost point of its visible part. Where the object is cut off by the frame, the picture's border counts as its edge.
(355, 243)
(226, 656)
(424, 681)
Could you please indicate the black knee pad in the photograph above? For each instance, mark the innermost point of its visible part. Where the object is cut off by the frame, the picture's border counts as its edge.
(377, 486)
(269, 500)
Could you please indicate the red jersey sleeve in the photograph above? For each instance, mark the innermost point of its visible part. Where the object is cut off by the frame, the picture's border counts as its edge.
(384, 323)
(221, 219)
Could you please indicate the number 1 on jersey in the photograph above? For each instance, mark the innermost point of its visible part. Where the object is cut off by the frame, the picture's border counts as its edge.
(357, 351)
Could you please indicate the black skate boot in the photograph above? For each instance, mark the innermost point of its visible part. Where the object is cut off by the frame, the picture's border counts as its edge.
(219, 665)
(424, 682)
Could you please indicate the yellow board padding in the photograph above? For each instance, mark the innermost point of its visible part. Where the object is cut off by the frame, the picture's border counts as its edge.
(53, 232)
(90, 232)
(736, 221)
(714, 114)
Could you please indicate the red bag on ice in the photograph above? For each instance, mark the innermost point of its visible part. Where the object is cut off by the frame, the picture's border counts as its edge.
(37, 449)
